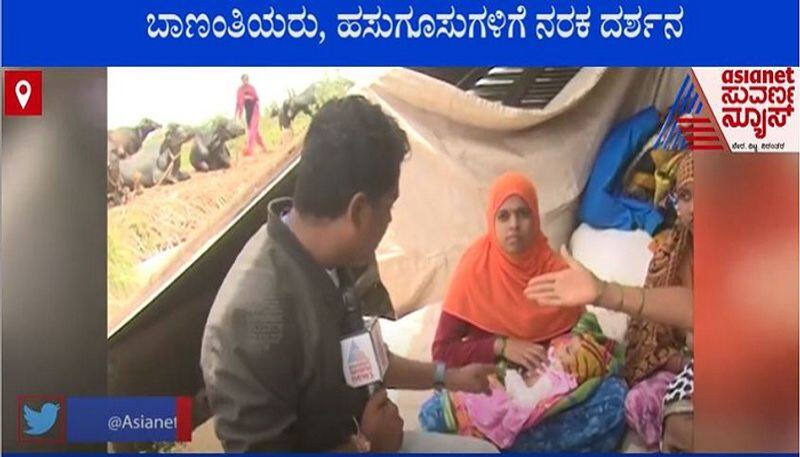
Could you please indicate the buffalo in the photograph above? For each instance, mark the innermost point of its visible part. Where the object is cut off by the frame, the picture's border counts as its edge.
(209, 151)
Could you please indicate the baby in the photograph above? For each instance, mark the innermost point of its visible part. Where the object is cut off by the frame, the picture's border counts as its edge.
(572, 360)
(522, 400)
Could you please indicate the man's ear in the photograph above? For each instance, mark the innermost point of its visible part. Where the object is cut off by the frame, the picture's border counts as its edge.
(357, 209)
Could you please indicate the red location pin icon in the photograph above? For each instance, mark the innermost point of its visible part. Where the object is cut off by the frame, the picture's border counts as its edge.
(23, 91)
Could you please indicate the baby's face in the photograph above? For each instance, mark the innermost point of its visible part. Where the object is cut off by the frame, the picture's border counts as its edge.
(530, 377)
(562, 354)
(565, 351)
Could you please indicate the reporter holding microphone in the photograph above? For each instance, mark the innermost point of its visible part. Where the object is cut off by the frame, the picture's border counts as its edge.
(286, 356)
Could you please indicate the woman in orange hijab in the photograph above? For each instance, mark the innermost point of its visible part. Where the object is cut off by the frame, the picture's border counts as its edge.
(485, 314)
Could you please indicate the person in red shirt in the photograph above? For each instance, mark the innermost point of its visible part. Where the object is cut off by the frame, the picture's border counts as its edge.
(247, 103)
(485, 314)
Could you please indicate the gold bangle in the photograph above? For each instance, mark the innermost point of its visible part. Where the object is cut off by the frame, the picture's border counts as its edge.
(503, 344)
(641, 304)
(621, 298)
(603, 287)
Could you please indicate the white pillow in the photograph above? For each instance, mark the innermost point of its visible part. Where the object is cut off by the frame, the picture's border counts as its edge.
(620, 256)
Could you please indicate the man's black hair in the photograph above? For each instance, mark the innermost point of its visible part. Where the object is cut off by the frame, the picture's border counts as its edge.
(351, 146)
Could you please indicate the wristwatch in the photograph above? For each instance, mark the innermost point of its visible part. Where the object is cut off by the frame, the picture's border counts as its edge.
(438, 376)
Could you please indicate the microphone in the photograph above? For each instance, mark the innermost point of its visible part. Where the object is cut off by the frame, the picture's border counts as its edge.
(365, 357)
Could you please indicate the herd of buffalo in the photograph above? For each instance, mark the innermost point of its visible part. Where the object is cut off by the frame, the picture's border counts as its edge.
(134, 163)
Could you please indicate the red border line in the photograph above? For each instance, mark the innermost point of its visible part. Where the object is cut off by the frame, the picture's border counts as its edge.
(694, 120)
(706, 147)
(693, 138)
(692, 129)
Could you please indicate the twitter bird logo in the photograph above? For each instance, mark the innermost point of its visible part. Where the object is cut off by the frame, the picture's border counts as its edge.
(40, 422)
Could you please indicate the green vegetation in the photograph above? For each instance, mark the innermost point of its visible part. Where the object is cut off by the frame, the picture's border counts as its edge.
(122, 277)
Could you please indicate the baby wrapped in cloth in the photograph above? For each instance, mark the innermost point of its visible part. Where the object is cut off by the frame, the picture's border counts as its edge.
(577, 363)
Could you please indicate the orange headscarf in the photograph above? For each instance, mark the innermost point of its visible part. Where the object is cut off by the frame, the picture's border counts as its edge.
(487, 286)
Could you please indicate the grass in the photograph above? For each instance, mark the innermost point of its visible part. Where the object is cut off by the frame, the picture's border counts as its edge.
(122, 260)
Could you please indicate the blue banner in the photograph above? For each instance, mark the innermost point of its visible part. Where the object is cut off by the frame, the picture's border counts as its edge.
(122, 419)
(400, 32)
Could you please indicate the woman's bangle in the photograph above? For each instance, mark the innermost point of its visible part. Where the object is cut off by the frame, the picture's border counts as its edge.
(641, 304)
(503, 342)
(603, 286)
(619, 305)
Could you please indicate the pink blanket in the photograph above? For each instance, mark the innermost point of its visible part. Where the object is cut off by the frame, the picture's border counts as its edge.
(509, 410)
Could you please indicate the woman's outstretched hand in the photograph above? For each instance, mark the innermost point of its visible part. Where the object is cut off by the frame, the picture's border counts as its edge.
(575, 286)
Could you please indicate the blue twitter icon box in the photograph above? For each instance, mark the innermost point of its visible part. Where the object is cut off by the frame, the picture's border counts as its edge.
(55, 419)
(41, 419)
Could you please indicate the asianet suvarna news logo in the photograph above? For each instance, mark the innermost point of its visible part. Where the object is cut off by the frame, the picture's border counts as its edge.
(55, 419)
(753, 107)
(757, 99)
